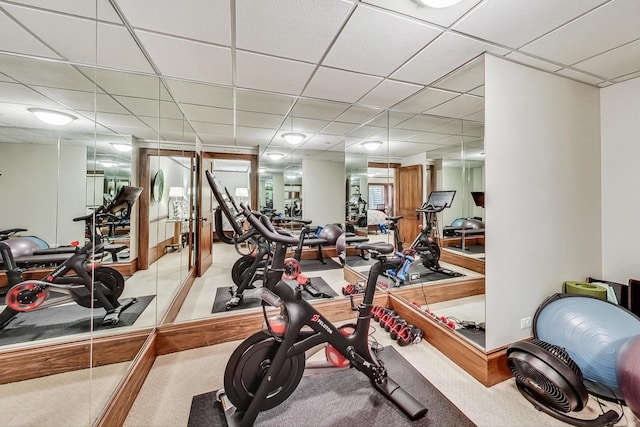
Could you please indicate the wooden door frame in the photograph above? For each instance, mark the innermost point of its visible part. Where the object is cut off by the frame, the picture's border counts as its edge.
(253, 158)
(144, 181)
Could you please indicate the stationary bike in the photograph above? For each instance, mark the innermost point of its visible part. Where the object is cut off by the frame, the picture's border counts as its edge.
(267, 367)
(92, 285)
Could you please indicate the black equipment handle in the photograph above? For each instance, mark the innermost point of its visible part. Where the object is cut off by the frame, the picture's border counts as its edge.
(260, 221)
(5, 234)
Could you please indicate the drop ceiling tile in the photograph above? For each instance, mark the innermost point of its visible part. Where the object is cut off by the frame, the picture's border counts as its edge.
(201, 94)
(369, 42)
(318, 109)
(469, 77)
(400, 134)
(22, 96)
(389, 93)
(203, 113)
(358, 115)
(14, 38)
(304, 125)
(339, 128)
(423, 123)
(188, 59)
(150, 107)
(446, 53)
(271, 74)
(339, 85)
(426, 99)
(44, 73)
(444, 16)
(451, 127)
(324, 139)
(205, 20)
(458, 107)
(614, 63)
(79, 100)
(370, 132)
(249, 100)
(581, 77)
(300, 30)
(74, 7)
(616, 23)
(628, 77)
(533, 62)
(479, 116)
(514, 23)
(251, 119)
(212, 129)
(479, 91)
(111, 119)
(127, 84)
(262, 134)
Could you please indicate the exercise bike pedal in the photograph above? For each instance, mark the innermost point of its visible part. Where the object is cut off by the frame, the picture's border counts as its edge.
(233, 302)
(112, 318)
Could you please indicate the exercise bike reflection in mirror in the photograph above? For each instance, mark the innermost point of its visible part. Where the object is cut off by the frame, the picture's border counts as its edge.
(92, 285)
(267, 367)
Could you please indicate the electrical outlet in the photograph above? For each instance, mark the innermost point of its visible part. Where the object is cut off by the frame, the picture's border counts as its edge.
(525, 323)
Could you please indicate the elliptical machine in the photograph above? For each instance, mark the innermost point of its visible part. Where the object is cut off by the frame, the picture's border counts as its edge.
(268, 366)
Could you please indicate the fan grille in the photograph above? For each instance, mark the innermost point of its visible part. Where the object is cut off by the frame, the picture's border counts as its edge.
(542, 380)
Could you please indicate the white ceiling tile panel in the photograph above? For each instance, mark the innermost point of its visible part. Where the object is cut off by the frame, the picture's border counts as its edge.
(339, 85)
(426, 99)
(111, 119)
(400, 134)
(577, 75)
(616, 23)
(43, 73)
(140, 106)
(443, 16)
(77, 7)
(476, 116)
(318, 109)
(117, 49)
(300, 30)
(369, 43)
(203, 113)
(187, 59)
(251, 119)
(304, 125)
(79, 100)
(469, 77)
(254, 132)
(212, 128)
(451, 127)
(389, 93)
(325, 139)
(272, 74)
(10, 92)
(339, 128)
(443, 55)
(628, 77)
(373, 132)
(201, 94)
(516, 22)
(205, 20)
(396, 118)
(14, 38)
(423, 123)
(614, 63)
(127, 84)
(458, 107)
(532, 62)
(479, 91)
(248, 100)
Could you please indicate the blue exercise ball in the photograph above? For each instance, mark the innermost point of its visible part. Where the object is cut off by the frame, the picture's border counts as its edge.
(592, 331)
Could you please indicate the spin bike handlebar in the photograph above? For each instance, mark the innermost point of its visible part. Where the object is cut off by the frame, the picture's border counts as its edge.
(5, 234)
(262, 225)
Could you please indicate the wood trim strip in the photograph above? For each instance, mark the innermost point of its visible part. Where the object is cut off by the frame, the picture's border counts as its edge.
(429, 294)
(125, 394)
(210, 331)
(27, 363)
(489, 369)
(472, 264)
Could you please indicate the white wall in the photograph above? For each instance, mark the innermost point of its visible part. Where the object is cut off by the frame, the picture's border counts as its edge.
(620, 109)
(36, 197)
(323, 192)
(542, 171)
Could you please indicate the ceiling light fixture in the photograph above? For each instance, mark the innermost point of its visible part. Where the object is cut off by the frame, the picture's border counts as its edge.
(52, 117)
(107, 164)
(275, 156)
(372, 145)
(294, 138)
(262, 170)
(124, 148)
(439, 4)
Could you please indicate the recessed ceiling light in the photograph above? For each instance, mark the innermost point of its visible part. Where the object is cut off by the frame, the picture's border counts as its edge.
(107, 164)
(372, 145)
(121, 147)
(294, 138)
(52, 117)
(438, 4)
(262, 170)
(275, 156)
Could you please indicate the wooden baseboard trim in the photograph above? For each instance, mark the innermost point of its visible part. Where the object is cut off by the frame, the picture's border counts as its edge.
(472, 264)
(28, 363)
(429, 294)
(125, 395)
(488, 368)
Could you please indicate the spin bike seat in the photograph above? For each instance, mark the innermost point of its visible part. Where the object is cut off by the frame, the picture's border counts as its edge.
(380, 247)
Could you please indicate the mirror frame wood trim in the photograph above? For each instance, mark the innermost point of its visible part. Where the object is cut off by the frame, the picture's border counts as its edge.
(253, 158)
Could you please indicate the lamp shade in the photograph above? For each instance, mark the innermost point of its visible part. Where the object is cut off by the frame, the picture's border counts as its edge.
(176, 192)
(372, 145)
